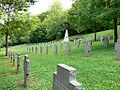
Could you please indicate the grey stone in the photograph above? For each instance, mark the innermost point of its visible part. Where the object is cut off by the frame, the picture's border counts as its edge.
(26, 70)
(40, 50)
(47, 48)
(106, 42)
(13, 59)
(55, 49)
(36, 49)
(50, 46)
(18, 63)
(32, 49)
(117, 49)
(61, 45)
(101, 38)
(68, 48)
(65, 78)
(87, 49)
(78, 43)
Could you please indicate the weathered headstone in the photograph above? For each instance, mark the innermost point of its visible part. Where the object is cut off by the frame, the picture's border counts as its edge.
(40, 50)
(36, 49)
(55, 49)
(65, 78)
(101, 38)
(106, 42)
(90, 42)
(61, 45)
(75, 41)
(26, 70)
(18, 63)
(87, 48)
(78, 43)
(68, 48)
(32, 49)
(47, 49)
(13, 59)
(117, 49)
(50, 46)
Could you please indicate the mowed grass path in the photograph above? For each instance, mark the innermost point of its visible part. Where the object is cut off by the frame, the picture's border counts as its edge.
(99, 71)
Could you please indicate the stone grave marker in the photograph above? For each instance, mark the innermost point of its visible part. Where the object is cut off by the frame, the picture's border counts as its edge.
(13, 59)
(65, 78)
(117, 49)
(55, 49)
(36, 49)
(78, 43)
(50, 46)
(32, 49)
(26, 70)
(101, 38)
(61, 45)
(18, 63)
(87, 49)
(75, 41)
(47, 48)
(106, 42)
(40, 50)
(68, 48)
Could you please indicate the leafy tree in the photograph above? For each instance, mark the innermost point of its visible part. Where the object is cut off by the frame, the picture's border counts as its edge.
(22, 23)
(8, 8)
(55, 20)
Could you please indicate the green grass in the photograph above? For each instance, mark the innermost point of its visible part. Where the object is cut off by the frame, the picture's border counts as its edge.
(99, 71)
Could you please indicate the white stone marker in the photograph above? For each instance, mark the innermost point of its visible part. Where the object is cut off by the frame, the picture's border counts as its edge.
(66, 38)
(65, 78)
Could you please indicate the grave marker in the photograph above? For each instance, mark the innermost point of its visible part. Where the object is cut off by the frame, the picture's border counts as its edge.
(65, 78)
(106, 42)
(18, 63)
(40, 50)
(56, 49)
(47, 49)
(32, 49)
(117, 49)
(87, 49)
(26, 70)
(68, 48)
(13, 59)
(101, 38)
(36, 49)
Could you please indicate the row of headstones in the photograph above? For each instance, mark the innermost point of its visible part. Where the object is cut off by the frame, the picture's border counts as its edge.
(77, 42)
(63, 79)
(35, 49)
(12, 58)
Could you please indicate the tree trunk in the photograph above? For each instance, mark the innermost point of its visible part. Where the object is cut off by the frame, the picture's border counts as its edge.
(115, 29)
(95, 34)
(6, 40)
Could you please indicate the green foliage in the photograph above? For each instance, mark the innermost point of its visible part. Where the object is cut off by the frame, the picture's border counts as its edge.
(22, 25)
(54, 20)
(38, 35)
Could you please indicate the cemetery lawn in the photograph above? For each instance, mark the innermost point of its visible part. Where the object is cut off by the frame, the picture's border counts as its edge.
(99, 71)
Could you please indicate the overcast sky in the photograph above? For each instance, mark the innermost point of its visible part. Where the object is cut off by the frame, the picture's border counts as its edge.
(43, 5)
